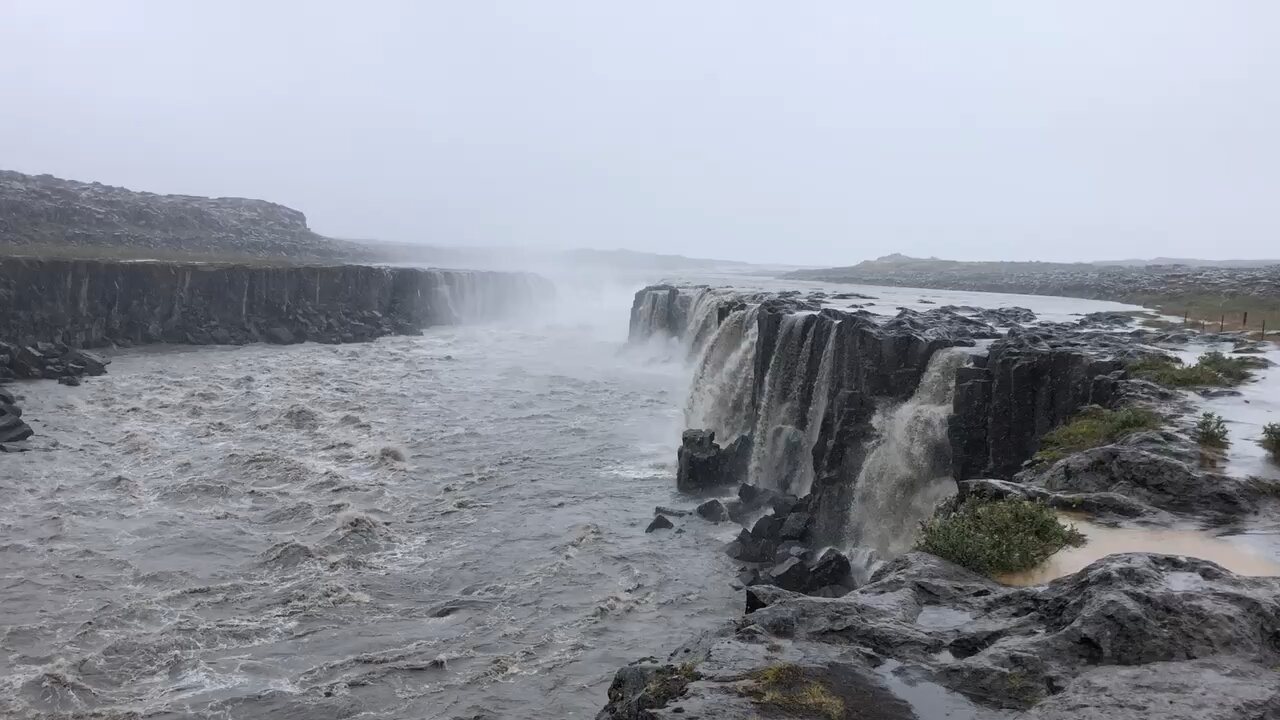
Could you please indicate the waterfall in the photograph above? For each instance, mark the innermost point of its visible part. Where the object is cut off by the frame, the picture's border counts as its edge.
(704, 321)
(720, 395)
(781, 459)
(908, 473)
(476, 296)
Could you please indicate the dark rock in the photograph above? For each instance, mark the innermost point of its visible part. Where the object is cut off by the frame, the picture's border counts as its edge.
(794, 527)
(832, 568)
(94, 303)
(791, 574)
(69, 380)
(767, 527)
(701, 465)
(279, 335)
(660, 522)
(1157, 480)
(673, 512)
(712, 510)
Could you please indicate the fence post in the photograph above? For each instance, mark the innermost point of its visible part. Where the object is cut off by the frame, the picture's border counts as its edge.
(1245, 321)
(1222, 322)
(1184, 317)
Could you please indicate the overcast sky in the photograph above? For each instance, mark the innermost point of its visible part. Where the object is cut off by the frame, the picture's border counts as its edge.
(811, 132)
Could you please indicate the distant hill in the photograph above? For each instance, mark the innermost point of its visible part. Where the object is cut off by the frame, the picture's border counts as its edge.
(1188, 262)
(45, 215)
(897, 263)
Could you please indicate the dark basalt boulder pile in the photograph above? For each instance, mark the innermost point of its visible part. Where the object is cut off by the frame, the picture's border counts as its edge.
(1128, 636)
(12, 427)
(52, 361)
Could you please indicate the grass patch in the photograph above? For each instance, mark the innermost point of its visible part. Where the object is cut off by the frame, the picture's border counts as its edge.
(1271, 439)
(786, 688)
(1093, 427)
(1212, 368)
(1211, 431)
(995, 537)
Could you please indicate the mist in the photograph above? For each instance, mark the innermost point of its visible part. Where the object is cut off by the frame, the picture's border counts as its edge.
(819, 134)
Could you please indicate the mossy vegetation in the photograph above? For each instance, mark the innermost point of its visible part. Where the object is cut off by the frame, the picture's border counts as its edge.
(666, 684)
(1093, 427)
(1211, 431)
(995, 537)
(785, 687)
(1271, 439)
(1212, 368)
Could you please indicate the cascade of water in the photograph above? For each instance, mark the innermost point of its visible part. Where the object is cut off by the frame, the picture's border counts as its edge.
(778, 451)
(720, 396)
(653, 314)
(704, 320)
(803, 480)
(908, 473)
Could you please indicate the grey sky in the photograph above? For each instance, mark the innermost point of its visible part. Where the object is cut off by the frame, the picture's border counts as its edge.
(815, 132)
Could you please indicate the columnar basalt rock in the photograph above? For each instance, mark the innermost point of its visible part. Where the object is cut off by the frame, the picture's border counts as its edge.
(91, 303)
(51, 310)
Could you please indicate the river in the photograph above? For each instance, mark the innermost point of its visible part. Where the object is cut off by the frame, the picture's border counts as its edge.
(443, 526)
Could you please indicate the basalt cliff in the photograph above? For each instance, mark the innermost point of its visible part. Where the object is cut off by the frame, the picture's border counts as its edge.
(52, 312)
(829, 435)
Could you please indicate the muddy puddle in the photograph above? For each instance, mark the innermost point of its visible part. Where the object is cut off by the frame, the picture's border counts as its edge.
(1244, 558)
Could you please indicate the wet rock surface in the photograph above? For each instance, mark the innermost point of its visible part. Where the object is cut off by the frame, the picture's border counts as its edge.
(1126, 636)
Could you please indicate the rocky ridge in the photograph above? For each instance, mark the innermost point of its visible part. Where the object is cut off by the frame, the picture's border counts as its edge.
(41, 212)
(1132, 635)
(1139, 284)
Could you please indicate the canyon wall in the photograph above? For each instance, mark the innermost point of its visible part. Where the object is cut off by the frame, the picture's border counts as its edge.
(90, 303)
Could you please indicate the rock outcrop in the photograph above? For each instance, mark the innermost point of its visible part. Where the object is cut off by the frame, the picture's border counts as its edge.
(1128, 636)
(12, 427)
(40, 213)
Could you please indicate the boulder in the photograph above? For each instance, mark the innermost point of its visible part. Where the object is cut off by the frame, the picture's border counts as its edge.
(661, 522)
(712, 510)
(700, 463)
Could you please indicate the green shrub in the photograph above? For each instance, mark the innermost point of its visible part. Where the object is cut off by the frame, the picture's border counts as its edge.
(1271, 439)
(786, 688)
(994, 537)
(1211, 431)
(1212, 368)
(1092, 427)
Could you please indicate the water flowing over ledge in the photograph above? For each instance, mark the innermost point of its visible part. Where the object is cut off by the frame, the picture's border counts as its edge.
(840, 431)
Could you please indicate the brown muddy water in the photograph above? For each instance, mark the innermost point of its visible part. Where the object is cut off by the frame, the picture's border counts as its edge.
(1101, 540)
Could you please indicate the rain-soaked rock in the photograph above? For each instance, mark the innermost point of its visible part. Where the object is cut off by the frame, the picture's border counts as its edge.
(660, 522)
(1129, 636)
(702, 465)
(712, 510)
